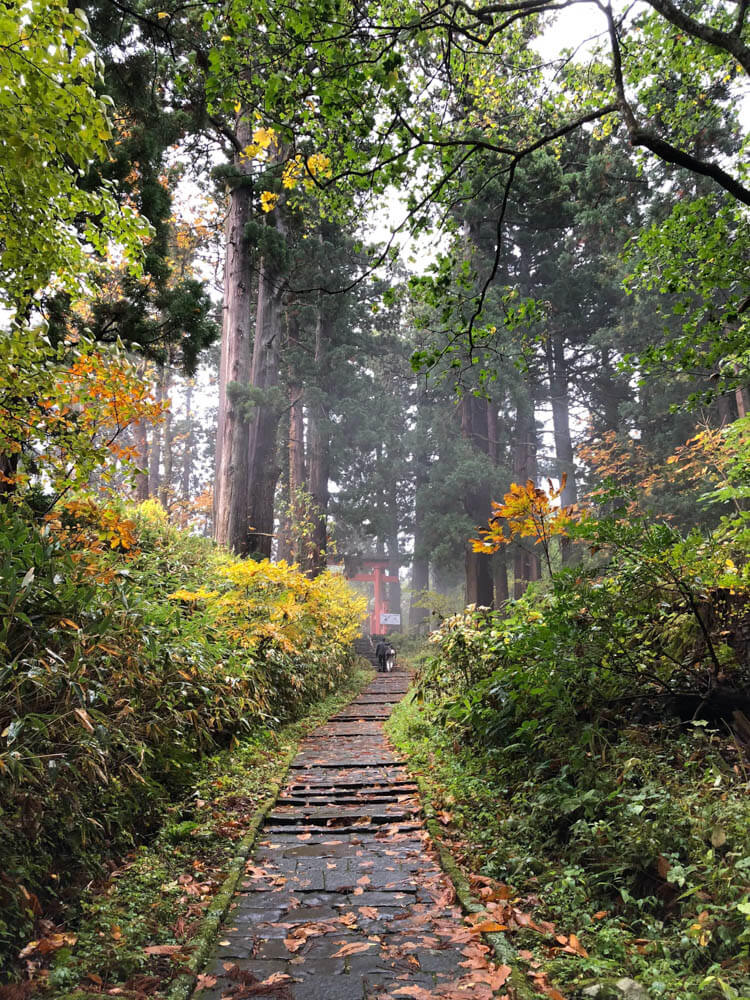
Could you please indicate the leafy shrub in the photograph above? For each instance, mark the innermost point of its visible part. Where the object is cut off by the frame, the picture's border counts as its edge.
(586, 725)
(118, 675)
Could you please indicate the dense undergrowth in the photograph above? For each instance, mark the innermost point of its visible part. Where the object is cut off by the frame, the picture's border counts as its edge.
(584, 748)
(130, 651)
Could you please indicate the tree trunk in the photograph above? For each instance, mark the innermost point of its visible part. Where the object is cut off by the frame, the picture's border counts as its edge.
(394, 559)
(477, 565)
(558, 387)
(613, 393)
(165, 488)
(500, 574)
(263, 467)
(294, 482)
(743, 402)
(285, 532)
(525, 563)
(296, 451)
(420, 566)
(187, 459)
(492, 432)
(154, 464)
(319, 452)
(231, 481)
(140, 436)
(726, 414)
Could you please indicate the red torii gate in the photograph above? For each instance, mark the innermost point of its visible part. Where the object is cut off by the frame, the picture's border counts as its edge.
(378, 576)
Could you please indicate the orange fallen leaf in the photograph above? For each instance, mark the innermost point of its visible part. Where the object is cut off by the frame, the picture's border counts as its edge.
(489, 927)
(163, 949)
(354, 948)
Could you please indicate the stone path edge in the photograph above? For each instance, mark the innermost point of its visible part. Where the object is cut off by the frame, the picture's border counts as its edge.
(183, 986)
(504, 951)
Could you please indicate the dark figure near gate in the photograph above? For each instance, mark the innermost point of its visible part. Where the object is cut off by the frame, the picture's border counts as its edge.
(381, 651)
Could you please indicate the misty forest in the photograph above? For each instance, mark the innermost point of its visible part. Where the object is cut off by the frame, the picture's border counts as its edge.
(375, 499)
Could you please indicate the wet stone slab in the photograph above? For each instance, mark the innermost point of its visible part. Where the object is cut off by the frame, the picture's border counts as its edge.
(344, 899)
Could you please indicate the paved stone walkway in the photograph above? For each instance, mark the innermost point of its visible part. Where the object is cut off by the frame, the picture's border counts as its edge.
(343, 899)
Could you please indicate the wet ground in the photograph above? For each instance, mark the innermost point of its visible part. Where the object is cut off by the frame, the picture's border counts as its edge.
(343, 899)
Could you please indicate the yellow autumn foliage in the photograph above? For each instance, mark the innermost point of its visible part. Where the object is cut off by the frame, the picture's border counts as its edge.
(266, 606)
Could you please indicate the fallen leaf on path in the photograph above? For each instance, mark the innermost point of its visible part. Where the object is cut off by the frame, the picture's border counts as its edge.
(354, 948)
(163, 949)
(205, 982)
(413, 991)
(371, 913)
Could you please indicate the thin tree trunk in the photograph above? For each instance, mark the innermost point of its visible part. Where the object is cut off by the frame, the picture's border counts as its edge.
(525, 564)
(165, 488)
(154, 464)
(320, 468)
(492, 431)
(294, 480)
(558, 386)
(477, 565)
(724, 404)
(297, 474)
(500, 574)
(140, 437)
(285, 542)
(231, 481)
(742, 396)
(420, 566)
(394, 565)
(319, 451)
(187, 459)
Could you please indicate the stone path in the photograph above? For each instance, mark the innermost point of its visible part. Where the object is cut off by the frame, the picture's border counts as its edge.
(343, 899)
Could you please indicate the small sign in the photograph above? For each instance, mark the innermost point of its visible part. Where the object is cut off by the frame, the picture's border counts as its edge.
(386, 619)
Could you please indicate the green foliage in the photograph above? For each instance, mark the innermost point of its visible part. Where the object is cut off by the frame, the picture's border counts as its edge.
(53, 125)
(110, 690)
(697, 260)
(579, 739)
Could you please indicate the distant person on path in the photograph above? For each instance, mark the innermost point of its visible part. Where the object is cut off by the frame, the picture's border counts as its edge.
(390, 657)
(381, 651)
